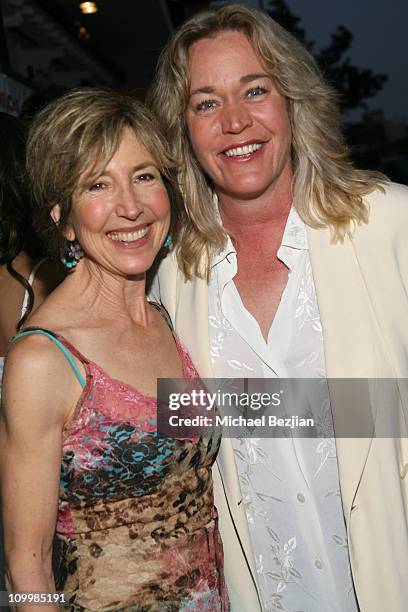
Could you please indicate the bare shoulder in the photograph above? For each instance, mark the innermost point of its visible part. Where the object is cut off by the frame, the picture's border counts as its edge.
(12, 291)
(38, 380)
(12, 294)
(34, 351)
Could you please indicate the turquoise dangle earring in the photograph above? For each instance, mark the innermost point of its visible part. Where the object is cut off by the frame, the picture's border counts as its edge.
(168, 242)
(74, 253)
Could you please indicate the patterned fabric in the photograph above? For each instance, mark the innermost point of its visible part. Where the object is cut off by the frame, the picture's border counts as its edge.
(137, 526)
(290, 487)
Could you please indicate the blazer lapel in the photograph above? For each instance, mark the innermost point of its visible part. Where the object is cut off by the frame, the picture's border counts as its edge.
(229, 476)
(191, 322)
(351, 352)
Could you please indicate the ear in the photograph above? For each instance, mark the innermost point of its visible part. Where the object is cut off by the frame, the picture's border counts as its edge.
(55, 214)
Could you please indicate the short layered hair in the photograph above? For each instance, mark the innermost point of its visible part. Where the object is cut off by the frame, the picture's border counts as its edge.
(81, 131)
(327, 190)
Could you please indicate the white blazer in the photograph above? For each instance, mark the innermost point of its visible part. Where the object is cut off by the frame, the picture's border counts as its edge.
(362, 292)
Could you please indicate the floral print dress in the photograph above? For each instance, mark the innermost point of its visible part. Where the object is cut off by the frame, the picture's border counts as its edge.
(137, 526)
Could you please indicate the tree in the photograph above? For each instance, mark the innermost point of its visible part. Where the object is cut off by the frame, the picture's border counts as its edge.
(353, 84)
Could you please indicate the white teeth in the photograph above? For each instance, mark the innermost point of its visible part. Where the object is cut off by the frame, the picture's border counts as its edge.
(242, 150)
(129, 236)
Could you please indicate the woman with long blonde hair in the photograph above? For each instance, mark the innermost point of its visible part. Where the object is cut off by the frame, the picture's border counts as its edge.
(293, 264)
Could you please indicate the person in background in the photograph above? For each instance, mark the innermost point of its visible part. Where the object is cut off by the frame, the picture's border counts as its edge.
(293, 264)
(81, 455)
(26, 275)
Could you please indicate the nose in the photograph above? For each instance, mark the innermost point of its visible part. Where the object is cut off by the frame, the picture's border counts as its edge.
(130, 204)
(235, 117)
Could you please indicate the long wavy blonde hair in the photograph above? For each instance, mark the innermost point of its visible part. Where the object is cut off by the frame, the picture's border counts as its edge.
(327, 190)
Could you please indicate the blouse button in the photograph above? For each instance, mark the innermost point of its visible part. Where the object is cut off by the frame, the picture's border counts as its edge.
(318, 564)
(301, 498)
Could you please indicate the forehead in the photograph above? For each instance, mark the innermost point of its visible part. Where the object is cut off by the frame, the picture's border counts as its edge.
(130, 145)
(229, 53)
(130, 151)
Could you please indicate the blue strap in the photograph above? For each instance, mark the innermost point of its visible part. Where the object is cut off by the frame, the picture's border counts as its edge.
(55, 340)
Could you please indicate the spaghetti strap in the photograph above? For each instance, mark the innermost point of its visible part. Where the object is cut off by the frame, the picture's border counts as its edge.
(30, 281)
(160, 308)
(58, 343)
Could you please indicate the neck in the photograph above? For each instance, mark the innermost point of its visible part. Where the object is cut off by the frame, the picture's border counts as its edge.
(265, 214)
(108, 296)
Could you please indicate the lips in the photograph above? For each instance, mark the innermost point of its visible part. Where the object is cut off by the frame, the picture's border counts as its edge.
(243, 150)
(128, 236)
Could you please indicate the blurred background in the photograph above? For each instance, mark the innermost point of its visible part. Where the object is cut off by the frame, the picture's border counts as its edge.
(48, 46)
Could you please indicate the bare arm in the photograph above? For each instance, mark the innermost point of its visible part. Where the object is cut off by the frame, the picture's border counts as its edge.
(36, 386)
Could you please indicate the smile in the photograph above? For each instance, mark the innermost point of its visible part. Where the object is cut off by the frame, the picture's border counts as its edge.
(245, 150)
(129, 236)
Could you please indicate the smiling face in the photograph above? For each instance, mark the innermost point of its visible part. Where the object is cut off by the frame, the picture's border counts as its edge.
(237, 120)
(121, 217)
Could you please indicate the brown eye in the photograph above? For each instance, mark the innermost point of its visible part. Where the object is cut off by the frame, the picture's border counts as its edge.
(146, 177)
(97, 187)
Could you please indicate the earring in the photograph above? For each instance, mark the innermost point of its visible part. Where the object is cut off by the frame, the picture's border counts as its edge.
(168, 242)
(74, 253)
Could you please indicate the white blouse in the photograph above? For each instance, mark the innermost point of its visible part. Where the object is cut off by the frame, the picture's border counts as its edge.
(290, 486)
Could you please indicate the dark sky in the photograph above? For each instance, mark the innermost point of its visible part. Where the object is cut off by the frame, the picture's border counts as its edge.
(380, 29)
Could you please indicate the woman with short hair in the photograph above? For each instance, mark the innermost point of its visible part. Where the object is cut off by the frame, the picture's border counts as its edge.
(81, 455)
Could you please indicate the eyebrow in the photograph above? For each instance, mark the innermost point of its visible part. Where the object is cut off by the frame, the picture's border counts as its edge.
(92, 176)
(253, 77)
(247, 78)
(145, 164)
(207, 89)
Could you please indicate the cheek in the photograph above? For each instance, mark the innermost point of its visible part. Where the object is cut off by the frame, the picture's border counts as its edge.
(87, 217)
(280, 117)
(92, 216)
(285, 123)
(286, 134)
(160, 203)
(199, 138)
(273, 114)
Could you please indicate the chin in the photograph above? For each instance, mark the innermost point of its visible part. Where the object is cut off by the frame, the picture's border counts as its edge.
(247, 192)
(131, 271)
(137, 264)
(135, 274)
